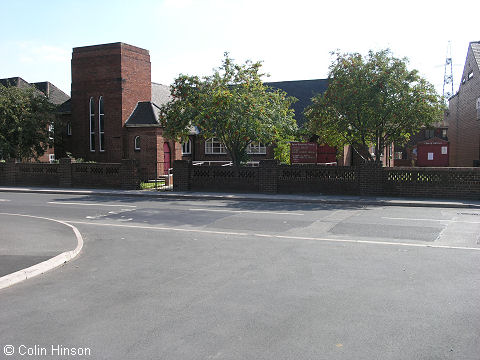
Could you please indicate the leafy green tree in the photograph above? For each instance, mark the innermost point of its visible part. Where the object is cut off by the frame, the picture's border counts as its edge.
(232, 105)
(25, 116)
(372, 100)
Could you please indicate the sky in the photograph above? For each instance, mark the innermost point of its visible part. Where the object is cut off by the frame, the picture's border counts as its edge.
(293, 38)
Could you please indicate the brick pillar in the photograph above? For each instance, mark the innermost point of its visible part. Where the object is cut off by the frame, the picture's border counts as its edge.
(65, 172)
(370, 179)
(268, 176)
(128, 175)
(181, 175)
(10, 172)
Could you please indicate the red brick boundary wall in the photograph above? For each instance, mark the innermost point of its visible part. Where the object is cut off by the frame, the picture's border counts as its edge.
(369, 179)
(67, 174)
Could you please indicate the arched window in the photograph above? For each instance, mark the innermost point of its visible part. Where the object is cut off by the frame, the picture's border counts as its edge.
(101, 124)
(92, 124)
(136, 142)
(187, 147)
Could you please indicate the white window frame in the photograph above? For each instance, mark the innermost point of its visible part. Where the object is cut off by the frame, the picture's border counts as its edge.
(101, 124)
(69, 129)
(187, 147)
(214, 147)
(136, 143)
(256, 148)
(430, 156)
(92, 124)
(444, 150)
(51, 158)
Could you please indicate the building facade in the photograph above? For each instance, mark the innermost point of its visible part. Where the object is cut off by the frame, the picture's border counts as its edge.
(463, 116)
(109, 117)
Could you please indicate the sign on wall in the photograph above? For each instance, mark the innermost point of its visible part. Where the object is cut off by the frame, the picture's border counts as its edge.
(303, 153)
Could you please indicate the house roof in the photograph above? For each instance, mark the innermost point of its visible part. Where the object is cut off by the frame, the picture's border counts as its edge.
(15, 81)
(53, 94)
(475, 45)
(145, 113)
(304, 91)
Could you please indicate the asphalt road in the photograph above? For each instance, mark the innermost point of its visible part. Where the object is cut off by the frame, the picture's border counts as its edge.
(247, 280)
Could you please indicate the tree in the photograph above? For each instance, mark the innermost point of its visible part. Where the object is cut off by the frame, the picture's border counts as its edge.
(373, 100)
(25, 116)
(232, 105)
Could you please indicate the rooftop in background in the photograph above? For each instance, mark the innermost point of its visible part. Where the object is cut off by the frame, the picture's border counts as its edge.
(53, 94)
(304, 91)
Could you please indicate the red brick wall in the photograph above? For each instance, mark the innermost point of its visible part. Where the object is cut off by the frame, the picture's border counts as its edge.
(151, 152)
(463, 127)
(118, 72)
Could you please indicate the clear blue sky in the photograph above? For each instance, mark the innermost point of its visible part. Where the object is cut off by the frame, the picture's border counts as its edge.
(293, 38)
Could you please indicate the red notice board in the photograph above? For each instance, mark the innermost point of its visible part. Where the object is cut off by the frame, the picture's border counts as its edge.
(303, 153)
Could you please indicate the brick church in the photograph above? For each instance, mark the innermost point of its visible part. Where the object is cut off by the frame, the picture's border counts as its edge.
(113, 110)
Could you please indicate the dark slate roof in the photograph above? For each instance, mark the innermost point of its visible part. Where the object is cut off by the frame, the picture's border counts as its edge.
(160, 94)
(304, 91)
(145, 114)
(15, 81)
(65, 107)
(53, 94)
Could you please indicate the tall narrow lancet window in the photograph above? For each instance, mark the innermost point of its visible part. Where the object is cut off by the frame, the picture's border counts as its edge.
(101, 124)
(92, 125)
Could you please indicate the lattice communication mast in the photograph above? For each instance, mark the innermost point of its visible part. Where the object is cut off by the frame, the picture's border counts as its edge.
(448, 74)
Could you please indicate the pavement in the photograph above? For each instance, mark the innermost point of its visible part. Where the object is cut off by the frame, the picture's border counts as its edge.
(25, 257)
(33, 245)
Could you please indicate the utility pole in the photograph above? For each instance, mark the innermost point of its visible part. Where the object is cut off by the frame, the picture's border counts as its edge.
(448, 74)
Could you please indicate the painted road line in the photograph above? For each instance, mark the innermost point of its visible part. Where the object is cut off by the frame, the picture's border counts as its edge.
(89, 204)
(434, 220)
(285, 237)
(247, 212)
(4, 200)
(40, 268)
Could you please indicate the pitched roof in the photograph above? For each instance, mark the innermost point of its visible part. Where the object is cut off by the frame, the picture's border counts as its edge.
(53, 94)
(475, 45)
(15, 81)
(145, 114)
(304, 91)
(160, 94)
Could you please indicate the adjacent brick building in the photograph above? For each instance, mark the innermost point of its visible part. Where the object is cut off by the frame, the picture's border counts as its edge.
(52, 93)
(463, 116)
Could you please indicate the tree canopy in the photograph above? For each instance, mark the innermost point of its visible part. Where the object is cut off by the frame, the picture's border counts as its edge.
(25, 116)
(232, 105)
(372, 100)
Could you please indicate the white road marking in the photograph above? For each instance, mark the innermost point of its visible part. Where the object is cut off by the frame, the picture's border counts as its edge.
(435, 220)
(4, 200)
(89, 204)
(40, 268)
(162, 228)
(286, 237)
(247, 211)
